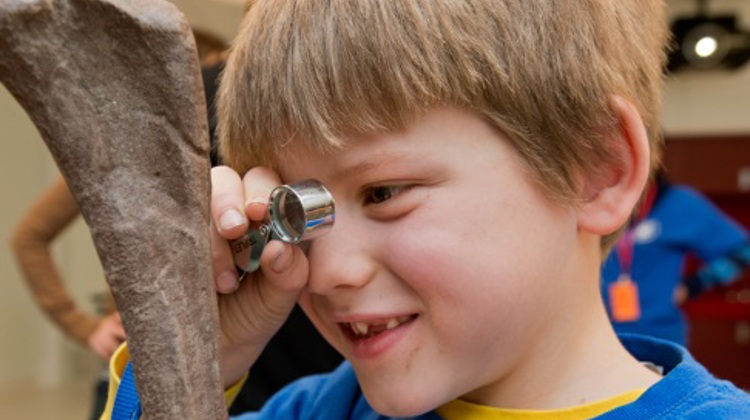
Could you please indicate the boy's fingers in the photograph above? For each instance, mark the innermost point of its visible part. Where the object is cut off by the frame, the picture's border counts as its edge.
(255, 309)
(227, 203)
(285, 273)
(264, 301)
(258, 183)
(222, 263)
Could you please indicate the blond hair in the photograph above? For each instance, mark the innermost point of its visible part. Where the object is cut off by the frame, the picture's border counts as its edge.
(542, 72)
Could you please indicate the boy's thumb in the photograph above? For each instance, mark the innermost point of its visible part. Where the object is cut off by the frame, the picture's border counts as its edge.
(284, 277)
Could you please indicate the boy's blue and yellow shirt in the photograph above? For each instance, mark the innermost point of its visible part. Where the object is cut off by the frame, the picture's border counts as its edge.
(454, 410)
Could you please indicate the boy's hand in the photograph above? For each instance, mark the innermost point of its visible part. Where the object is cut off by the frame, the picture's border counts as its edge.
(253, 309)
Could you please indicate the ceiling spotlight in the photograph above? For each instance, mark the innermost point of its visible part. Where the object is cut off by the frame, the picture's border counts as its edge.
(706, 46)
(703, 42)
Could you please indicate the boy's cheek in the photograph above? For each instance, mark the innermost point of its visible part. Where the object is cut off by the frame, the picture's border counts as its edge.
(420, 253)
(329, 332)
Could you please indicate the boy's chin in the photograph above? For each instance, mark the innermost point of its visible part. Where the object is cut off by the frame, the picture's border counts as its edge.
(406, 410)
(400, 403)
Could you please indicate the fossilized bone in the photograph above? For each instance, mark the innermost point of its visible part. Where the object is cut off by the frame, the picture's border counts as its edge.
(114, 88)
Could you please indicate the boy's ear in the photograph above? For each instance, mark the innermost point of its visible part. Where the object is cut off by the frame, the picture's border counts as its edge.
(612, 190)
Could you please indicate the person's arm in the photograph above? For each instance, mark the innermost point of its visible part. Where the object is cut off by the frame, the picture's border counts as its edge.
(53, 211)
(720, 271)
(713, 236)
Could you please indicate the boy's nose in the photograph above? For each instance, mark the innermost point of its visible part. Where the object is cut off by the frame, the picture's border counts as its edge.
(340, 260)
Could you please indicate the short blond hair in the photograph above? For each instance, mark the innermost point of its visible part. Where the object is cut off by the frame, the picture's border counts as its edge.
(541, 71)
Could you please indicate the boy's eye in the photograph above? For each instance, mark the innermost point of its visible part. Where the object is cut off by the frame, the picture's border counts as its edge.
(382, 193)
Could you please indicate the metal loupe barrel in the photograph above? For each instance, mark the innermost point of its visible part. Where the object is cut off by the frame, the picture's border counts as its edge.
(301, 211)
(296, 212)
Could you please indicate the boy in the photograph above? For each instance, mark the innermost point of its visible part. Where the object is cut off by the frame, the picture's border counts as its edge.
(483, 155)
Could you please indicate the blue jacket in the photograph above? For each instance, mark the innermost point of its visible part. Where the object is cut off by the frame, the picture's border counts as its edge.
(682, 222)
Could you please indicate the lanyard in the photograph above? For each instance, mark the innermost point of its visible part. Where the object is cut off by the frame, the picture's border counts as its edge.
(626, 245)
(127, 404)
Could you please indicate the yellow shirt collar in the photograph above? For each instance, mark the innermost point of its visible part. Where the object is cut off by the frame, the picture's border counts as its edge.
(463, 410)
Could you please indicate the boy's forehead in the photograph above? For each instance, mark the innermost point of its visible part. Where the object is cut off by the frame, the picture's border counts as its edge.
(363, 153)
(355, 155)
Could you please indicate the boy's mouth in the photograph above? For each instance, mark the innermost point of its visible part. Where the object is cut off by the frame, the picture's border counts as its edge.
(363, 330)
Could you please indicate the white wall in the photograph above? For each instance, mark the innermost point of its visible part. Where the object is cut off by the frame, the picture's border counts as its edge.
(32, 349)
(221, 17)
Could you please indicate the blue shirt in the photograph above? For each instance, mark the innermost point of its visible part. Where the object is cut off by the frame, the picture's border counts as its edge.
(687, 391)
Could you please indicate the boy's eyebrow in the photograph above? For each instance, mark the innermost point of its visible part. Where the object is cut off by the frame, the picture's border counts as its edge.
(372, 163)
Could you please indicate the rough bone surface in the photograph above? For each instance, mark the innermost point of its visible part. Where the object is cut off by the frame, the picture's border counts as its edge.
(114, 88)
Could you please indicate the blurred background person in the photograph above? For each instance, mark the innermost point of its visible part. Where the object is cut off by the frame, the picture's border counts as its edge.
(643, 279)
(32, 240)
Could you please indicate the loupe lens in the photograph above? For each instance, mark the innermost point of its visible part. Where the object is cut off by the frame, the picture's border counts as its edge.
(301, 211)
(291, 216)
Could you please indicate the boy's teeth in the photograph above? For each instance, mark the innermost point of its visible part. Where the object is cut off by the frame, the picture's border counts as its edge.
(362, 328)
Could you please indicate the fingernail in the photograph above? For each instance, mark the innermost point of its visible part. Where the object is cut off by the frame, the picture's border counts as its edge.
(282, 260)
(227, 282)
(256, 200)
(256, 208)
(231, 219)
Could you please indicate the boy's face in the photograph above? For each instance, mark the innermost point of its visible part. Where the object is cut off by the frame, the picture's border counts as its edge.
(445, 266)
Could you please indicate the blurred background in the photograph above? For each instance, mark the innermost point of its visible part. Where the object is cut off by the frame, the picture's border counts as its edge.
(706, 121)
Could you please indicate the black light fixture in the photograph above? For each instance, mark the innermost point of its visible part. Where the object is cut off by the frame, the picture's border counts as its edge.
(708, 42)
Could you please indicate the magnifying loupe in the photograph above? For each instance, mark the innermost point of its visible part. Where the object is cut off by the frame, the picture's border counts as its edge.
(296, 212)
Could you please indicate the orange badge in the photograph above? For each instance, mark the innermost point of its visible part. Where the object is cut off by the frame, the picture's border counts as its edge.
(623, 300)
